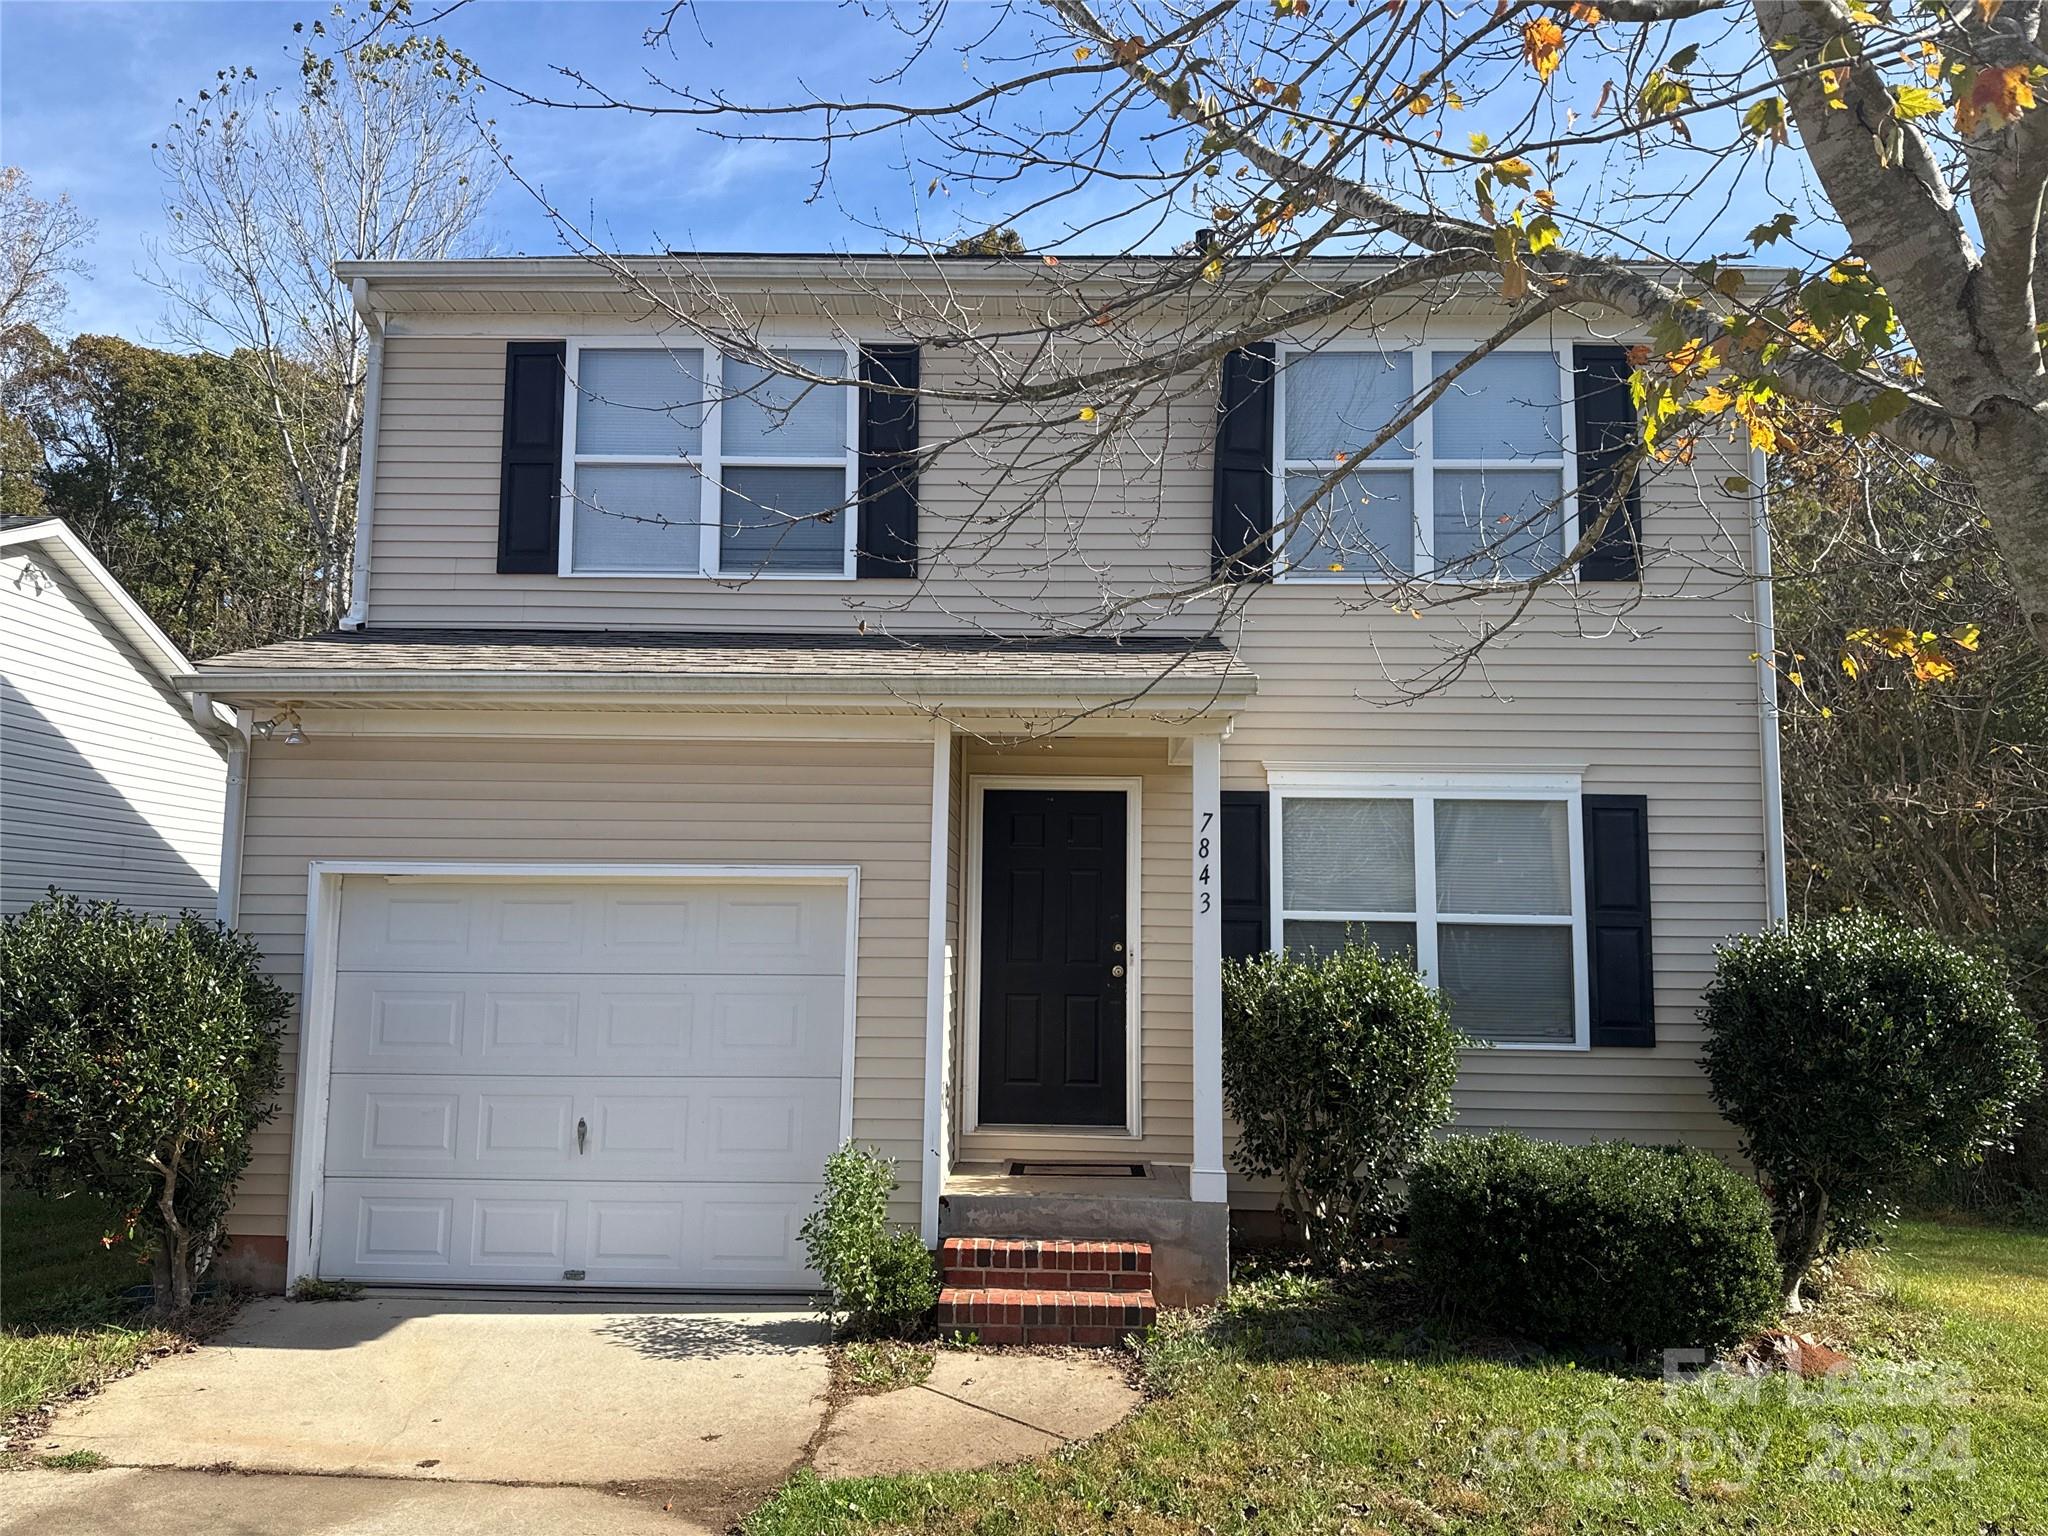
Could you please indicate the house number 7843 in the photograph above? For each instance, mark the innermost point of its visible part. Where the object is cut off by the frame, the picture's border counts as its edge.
(1205, 893)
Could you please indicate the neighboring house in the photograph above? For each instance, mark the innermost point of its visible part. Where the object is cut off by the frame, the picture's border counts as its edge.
(109, 789)
(626, 871)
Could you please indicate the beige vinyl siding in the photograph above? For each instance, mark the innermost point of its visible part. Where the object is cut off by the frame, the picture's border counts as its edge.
(109, 790)
(781, 802)
(1165, 938)
(1644, 687)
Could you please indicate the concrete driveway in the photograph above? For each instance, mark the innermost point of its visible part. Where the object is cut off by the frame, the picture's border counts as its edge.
(397, 1413)
(703, 1410)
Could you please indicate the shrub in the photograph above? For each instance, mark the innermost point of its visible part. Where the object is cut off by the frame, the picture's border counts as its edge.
(1855, 1052)
(877, 1282)
(1337, 1071)
(137, 1058)
(1649, 1247)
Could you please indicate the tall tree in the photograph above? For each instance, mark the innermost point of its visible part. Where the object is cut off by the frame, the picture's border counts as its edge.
(1573, 152)
(39, 249)
(171, 469)
(362, 157)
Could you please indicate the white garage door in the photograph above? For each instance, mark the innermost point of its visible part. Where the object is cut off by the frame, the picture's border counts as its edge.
(627, 1084)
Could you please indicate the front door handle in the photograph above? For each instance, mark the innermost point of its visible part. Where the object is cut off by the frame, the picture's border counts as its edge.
(1116, 970)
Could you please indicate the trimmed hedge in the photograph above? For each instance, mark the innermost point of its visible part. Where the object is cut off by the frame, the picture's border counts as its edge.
(1338, 1071)
(1647, 1247)
(1856, 1052)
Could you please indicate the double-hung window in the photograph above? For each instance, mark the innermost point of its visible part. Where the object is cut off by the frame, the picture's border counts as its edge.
(1480, 882)
(684, 462)
(1476, 488)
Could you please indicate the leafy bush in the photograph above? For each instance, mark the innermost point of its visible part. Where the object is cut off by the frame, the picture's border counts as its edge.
(1337, 1071)
(1855, 1053)
(1650, 1247)
(877, 1282)
(137, 1058)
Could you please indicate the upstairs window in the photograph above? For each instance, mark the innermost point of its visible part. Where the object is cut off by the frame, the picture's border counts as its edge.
(1475, 489)
(684, 462)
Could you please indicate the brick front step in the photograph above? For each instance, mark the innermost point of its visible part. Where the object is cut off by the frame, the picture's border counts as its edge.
(1036, 1264)
(1012, 1315)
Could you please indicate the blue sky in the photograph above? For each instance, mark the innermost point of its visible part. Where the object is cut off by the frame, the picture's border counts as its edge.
(86, 85)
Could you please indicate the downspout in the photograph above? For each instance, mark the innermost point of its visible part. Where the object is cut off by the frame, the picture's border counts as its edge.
(358, 613)
(228, 900)
(1776, 904)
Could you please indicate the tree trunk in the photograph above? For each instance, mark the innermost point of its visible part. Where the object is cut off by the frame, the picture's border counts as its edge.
(1803, 1244)
(173, 1263)
(2008, 464)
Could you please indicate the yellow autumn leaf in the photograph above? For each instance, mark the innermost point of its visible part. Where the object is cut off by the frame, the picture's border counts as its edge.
(1417, 105)
(1543, 46)
(1797, 679)
(1966, 636)
(1081, 55)
(1849, 666)
(1933, 667)
(1087, 413)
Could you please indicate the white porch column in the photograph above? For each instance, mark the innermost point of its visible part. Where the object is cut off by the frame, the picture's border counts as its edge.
(1206, 1179)
(936, 1064)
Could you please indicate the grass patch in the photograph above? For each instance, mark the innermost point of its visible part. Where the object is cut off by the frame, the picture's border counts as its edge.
(1300, 1408)
(311, 1288)
(65, 1326)
(884, 1366)
(73, 1461)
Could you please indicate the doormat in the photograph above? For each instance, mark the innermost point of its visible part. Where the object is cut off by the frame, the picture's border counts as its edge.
(1078, 1170)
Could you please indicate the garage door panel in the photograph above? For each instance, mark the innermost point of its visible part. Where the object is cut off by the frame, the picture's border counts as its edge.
(520, 1128)
(558, 1082)
(408, 926)
(725, 1235)
(711, 1025)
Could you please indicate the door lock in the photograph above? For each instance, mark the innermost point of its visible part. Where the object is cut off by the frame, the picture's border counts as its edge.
(1116, 970)
(582, 1134)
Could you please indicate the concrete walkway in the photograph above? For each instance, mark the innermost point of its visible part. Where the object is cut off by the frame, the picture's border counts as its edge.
(399, 1413)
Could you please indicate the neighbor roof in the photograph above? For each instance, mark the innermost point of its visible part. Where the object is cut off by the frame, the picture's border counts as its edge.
(54, 540)
(786, 668)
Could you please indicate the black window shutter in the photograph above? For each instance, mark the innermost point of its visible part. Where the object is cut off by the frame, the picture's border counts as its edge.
(1245, 872)
(1244, 466)
(887, 536)
(1607, 432)
(1618, 950)
(530, 482)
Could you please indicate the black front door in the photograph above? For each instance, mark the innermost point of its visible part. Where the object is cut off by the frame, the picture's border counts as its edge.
(1053, 957)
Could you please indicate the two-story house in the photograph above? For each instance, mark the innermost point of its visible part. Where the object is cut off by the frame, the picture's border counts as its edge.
(651, 829)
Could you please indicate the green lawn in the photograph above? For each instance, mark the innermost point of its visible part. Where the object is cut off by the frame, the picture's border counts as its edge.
(62, 1324)
(1294, 1412)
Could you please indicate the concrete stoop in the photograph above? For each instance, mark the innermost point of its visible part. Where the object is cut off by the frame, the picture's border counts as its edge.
(1046, 1291)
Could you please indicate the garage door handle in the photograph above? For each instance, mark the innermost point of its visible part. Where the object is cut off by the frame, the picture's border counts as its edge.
(582, 1132)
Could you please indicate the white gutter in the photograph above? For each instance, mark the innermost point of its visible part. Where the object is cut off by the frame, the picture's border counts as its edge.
(1777, 906)
(366, 462)
(774, 689)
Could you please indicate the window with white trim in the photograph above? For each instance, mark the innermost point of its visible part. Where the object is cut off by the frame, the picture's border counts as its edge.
(1483, 888)
(746, 471)
(1476, 488)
